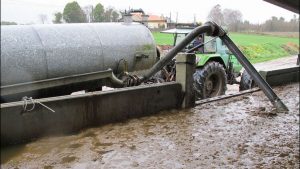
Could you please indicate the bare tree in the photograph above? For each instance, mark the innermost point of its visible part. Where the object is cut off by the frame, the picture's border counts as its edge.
(88, 10)
(232, 19)
(216, 15)
(294, 24)
(279, 24)
(108, 14)
(43, 18)
(115, 16)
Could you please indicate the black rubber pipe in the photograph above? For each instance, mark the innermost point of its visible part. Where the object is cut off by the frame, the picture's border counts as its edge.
(206, 28)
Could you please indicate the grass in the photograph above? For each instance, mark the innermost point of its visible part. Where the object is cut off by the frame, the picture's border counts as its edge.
(257, 48)
(162, 38)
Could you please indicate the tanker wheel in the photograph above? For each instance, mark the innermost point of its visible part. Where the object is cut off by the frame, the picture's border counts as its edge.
(246, 81)
(210, 81)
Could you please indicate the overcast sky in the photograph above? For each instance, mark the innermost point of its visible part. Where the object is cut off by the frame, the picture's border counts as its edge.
(256, 11)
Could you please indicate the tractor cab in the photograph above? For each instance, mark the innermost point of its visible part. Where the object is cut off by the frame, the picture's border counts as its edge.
(213, 50)
(211, 44)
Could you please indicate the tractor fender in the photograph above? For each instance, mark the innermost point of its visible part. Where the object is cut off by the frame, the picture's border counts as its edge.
(202, 59)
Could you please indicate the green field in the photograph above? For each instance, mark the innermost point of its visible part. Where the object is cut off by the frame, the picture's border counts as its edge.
(257, 48)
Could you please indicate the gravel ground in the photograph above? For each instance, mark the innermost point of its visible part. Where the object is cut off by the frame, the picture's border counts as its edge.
(241, 132)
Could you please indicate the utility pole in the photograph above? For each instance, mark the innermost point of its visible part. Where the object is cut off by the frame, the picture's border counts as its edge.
(176, 17)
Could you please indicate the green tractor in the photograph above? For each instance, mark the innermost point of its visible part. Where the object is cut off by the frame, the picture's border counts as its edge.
(216, 66)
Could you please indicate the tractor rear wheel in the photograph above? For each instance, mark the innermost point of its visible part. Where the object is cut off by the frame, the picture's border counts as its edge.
(210, 81)
(246, 81)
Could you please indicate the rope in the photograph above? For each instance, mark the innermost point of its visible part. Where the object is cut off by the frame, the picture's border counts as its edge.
(33, 102)
(26, 99)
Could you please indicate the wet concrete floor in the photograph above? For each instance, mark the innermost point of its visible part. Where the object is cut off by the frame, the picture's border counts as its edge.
(242, 132)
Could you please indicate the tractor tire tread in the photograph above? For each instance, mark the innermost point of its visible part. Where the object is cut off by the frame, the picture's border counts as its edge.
(246, 82)
(200, 76)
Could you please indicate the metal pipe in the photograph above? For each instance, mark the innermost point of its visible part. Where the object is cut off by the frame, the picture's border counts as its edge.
(116, 81)
(206, 28)
(263, 85)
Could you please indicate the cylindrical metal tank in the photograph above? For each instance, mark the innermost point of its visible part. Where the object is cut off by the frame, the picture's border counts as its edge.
(38, 52)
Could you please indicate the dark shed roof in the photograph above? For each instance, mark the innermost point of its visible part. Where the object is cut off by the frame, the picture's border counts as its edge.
(291, 5)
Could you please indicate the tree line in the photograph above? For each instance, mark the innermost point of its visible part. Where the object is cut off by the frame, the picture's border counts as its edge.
(73, 13)
(233, 21)
(8, 23)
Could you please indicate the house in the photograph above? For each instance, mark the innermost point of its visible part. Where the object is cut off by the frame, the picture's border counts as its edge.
(152, 21)
(155, 22)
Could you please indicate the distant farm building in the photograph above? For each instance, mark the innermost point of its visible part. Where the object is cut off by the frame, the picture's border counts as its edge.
(152, 21)
(155, 21)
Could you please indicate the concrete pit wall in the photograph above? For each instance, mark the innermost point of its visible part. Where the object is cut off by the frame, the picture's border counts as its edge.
(75, 112)
(281, 76)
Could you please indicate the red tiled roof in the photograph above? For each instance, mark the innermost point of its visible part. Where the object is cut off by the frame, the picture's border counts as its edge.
(138, 17)
(155, 18)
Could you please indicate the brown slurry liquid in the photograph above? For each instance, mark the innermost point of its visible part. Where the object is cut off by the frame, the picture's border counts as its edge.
(241, 132)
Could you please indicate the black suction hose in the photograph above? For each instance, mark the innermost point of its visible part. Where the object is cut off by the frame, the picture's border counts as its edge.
(207, 28)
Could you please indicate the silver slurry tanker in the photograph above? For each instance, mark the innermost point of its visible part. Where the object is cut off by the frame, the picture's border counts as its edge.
(70, 57)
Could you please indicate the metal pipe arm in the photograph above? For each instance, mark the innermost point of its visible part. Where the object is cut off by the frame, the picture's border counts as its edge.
(208, 28)
(263, 85)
